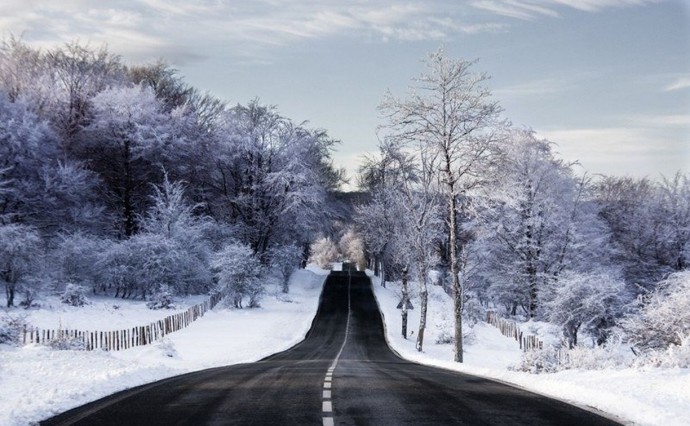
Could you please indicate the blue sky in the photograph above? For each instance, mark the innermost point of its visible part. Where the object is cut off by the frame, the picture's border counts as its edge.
(607, 80)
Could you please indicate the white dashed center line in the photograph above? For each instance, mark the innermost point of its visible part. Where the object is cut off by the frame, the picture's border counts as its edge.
(328, 380)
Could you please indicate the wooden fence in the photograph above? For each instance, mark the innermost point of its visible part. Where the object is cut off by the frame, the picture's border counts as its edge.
(510, 329)
(124, 339)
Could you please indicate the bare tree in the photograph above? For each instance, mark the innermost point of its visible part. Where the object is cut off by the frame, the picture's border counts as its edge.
(421, 203)
(449, 110)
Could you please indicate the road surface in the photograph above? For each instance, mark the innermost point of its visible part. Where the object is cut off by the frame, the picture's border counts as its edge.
(343, 373)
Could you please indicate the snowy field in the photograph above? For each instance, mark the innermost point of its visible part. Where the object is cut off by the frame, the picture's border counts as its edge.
(37, 383)
(647, 396)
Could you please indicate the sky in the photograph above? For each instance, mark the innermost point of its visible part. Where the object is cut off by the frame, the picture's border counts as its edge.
(607, 80)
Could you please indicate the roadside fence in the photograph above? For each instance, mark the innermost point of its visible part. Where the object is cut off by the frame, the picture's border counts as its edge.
(510, 329)
(128, 338)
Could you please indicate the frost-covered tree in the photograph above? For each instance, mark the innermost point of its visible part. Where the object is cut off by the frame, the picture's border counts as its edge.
(674, 209)
(24, 74)
(78, 72)
(20, 254)
(537, 220)
(382, 176)
(649, 224)
(589, 301)
(271, 176)
(352, 247)
(663, 318)
(450, 111)
(422, 228)
(127, 136)
(138, 266)
(239, 272)
(26, 145)
(285, 259)
(323, 252)
(75, 259)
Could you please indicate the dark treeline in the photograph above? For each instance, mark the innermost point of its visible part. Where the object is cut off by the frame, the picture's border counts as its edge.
(127, 181)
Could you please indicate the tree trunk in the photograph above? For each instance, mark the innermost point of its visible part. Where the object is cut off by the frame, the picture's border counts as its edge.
(423, 300)
(9, 293)
(383, 273)
(405, 301)
(128, 204)
(455, 282)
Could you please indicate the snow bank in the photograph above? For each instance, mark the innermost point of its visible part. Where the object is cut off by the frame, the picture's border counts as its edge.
(643, 396)
(37, 383)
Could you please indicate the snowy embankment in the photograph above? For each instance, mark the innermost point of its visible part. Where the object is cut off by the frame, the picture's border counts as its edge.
(647, 396)
(37, 382)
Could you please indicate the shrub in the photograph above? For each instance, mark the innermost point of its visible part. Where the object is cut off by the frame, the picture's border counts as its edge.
(167, 347)
(592, 301)
(238, 273)
(539, 361)
(663, 319)
(74, 295)
(11, 329)
(286, 259)
(67, 343)
(161, 298)
(674, 356)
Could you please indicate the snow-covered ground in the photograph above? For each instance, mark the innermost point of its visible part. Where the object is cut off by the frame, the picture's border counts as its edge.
(36, 382)
(647, 396)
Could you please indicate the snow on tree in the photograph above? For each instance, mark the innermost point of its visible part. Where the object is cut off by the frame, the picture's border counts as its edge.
(24, 74)
(67, 200)
(323, 252)
(238, 272)
(450, 110)
(74, 295)
(127, 136)
(383, 176)
(285, 258)
(589, 301)
(649, 225)
(422, 228)
(375, 223)
(75, 259)
(20, 255)
(674, 208)
(137, 267)
(533, 214)
(161, 298)
(78, 73)
(663, 318)
(271, 177)
(352, 247)
(27, 145)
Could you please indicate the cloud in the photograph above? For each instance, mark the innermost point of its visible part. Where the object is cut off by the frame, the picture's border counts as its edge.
(240, 27)
(533, 9)
(662, 121)
(548, 86)
(680, 84)
(514, 9)
(632, 151)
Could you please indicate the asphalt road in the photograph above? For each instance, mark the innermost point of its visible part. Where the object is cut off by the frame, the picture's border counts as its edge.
(342, 373)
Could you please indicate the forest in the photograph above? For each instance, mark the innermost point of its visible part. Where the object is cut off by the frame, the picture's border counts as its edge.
(462, 198)
(125, 181)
